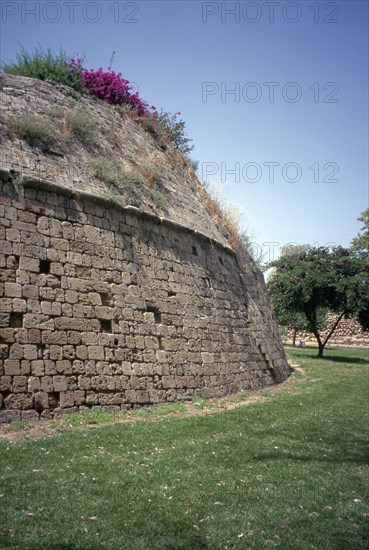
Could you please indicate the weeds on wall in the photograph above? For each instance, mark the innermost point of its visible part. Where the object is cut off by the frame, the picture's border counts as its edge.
(158, 197)
(79, 124)
(107, 172)
(35, 130)
(132, 181)
(75, 123)
(226, 214)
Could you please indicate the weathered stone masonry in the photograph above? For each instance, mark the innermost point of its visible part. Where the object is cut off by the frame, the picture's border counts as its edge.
(108, 306)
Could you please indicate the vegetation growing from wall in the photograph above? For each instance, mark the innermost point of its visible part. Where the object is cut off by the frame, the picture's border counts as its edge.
(108, 86)
(34, 130)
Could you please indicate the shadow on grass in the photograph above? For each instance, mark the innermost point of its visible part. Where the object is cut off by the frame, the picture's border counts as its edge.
(168, 535)
(329, 355)
(326, 450)
(347, 360)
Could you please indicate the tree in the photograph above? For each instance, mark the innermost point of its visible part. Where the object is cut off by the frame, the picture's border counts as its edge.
(317, 280)
(289, 318)
(361, 242)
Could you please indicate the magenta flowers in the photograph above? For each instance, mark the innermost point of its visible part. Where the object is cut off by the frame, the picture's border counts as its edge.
(112, 88)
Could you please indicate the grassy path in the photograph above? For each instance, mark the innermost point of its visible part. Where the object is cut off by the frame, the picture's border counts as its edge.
(289, 472)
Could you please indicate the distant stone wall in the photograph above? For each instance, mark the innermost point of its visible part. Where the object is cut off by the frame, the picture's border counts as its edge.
(108, 306)
(348, 332)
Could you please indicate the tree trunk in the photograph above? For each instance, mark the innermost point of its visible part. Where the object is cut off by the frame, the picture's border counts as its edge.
(294, 337)
(321, 349)
(320, 343)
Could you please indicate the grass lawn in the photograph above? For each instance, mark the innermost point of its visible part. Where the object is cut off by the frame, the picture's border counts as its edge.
(289, 471)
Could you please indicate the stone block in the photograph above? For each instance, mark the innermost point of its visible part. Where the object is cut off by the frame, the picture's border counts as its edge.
(38, 367)
(207, 357)
(98, 382)
(96, 352)
(34, 384)
(131, 396)
(32, 320)
(13, 290)
(143, 396)
(64, 367)
(10, 416)
(50, 367)
(30, 351)
(79, 397)
(66, 399)
(94, 298)
(19, 305)
(103, 312)
(30, 292)
(72, 383)
(20, 401)
(151, 342)
(60, 383)
(16, 351)
(54, 337)
(168, 382)
(29, 264)
(12, 367)
(78, 324)
(41, 400)
(84, 382)
(56, 352)
(34, 336)
(47, 384)
(29, 416)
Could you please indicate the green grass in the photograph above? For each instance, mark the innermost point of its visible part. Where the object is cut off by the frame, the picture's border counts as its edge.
(84, 418)
(238, 397)
(288, 472)
(159, 411)
(17, 426)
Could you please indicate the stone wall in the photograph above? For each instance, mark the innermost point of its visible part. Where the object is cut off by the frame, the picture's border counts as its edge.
(348, 332)
(109, 306)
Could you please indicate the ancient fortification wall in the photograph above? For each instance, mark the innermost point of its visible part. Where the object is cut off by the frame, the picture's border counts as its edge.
(114, 306)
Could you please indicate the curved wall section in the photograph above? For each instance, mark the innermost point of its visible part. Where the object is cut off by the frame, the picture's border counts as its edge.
(109, 306)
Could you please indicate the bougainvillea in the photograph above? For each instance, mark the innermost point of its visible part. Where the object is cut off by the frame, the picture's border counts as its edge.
(112, 88)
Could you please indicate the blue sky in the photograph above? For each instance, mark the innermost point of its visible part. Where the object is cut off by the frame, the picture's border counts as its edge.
(186, 55)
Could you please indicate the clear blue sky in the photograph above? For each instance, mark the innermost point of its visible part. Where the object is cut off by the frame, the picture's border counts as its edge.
(186, 55)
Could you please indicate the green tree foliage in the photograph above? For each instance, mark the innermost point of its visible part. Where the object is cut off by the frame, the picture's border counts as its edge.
(361, 241)
(317, 280)
(289, 318)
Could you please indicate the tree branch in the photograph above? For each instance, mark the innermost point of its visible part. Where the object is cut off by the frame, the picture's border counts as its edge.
(333, 328)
